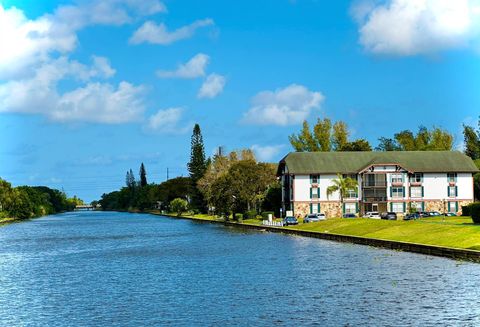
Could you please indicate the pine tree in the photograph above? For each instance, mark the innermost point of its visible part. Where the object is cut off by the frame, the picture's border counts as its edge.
(143, 176)
(197, 167)
(130, 180)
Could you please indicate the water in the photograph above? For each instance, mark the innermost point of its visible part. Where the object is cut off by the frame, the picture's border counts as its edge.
(106, 269)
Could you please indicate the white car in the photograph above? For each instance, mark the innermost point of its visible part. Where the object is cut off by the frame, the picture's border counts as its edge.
(313, 217)
(372, 214)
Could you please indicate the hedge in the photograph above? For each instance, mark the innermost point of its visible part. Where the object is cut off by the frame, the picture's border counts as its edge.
(475, 212)
(466, 210)
(238, 217)
(266, 213)
(252, 214)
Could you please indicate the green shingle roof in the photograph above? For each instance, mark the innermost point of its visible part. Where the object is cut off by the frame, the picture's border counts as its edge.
(354, 162)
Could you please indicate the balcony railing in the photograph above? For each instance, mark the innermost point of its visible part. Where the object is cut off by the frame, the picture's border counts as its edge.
(374, 184)
(375, 199)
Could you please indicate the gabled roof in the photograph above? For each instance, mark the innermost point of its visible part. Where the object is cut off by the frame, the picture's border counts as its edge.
(354, 162)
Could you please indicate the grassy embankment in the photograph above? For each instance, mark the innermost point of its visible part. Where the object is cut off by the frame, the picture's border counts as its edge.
(452, 232)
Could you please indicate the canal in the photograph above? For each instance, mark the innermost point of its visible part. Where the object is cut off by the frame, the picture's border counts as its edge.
(121, 269)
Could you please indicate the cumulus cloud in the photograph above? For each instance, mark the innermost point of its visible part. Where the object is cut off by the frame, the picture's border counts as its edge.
(166, 121)
(268, 152)
(285, 106)
(34, 59)
(212, 86)
(412, 27)
(193, 68)
(158, 33)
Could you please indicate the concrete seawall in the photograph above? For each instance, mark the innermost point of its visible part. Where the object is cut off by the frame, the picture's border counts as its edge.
(452, 253)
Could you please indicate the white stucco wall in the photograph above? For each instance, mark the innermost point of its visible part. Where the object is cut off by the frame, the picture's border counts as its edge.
(465, 186)
(302, 188)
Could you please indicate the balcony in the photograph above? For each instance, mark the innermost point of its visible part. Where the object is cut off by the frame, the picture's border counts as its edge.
(374, 184)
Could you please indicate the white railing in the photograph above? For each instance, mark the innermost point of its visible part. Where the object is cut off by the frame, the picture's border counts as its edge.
(272, 223)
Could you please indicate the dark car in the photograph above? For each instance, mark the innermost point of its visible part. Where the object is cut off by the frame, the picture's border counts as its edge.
(389, 216)
(450, 214)
(423, 214)
(412, 216)
(349, 215)
(434, 214)
(290, 221)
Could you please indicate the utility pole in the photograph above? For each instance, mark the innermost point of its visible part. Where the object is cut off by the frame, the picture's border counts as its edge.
(167, 173)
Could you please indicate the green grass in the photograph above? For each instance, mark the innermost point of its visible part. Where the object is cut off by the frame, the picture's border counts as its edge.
(454, 232)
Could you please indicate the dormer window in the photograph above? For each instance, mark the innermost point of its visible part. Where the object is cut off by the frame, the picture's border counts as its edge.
(314, 179)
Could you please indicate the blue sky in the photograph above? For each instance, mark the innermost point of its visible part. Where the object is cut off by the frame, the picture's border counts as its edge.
(90, 89)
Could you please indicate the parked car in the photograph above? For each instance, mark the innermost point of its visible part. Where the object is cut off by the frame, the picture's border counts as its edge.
(390, 216)
(372, 214)
(290, 221)
(313, 217)
(450, 214)
(423, 214)
(349, 215)
(434, 214)
(412, 216)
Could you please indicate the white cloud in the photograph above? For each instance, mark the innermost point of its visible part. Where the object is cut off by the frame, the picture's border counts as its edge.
(158, 33)
(212, 86)
(166, 121)
(287, 106)
(194, 68)
(34, 59)
(412, 27)
(266, 153)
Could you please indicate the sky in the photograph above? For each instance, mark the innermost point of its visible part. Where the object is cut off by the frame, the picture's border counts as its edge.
(90, 89)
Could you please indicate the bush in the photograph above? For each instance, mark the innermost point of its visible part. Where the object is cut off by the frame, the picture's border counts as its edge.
(179, 206)
(252, 214)
(266, 213)
(475, 212)
(466, 210)
(238, 217)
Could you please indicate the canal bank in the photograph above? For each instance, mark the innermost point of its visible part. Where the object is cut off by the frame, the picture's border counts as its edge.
(428, 249)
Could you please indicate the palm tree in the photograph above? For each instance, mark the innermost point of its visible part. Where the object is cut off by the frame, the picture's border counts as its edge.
(342, 185)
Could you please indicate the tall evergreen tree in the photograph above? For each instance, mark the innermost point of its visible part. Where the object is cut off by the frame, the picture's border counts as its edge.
(143, 175)
(197, 167)
(130, 179)
(472, 142)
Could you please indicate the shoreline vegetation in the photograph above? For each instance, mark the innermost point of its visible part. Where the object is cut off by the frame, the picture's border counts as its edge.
(448, 233)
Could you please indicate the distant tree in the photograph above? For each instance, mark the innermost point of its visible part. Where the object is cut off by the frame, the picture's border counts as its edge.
(143, 175)
(386, 144)
(178, 206)
(323, 134)
(472, 141)
(342, 186)
(130, 179)
(304, 141)
(358, 145)
(340, 135)
(197, 167)
(406, 140)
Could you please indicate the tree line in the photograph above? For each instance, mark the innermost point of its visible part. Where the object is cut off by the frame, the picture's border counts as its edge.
(25, 202)
(224, 184)
(327, 136)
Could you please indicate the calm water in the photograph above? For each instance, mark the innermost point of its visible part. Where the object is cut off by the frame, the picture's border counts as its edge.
(104, 269)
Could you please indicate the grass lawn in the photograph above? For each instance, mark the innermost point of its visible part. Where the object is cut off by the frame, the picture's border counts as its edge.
(454, 232)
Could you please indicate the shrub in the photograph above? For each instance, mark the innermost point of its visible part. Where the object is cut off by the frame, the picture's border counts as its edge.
(475, 212)
(466, 210)
(252, 214)
(266, 213)
(178, 205)
(238, 217)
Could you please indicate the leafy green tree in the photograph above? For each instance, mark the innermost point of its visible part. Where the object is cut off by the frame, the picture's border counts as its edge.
(472, 142)
(342, 186)
(143, 175)
(197, 167)
(387, 144)
(178, 206)
(323, 134)
(304, 141)
(358, 145)
(340, 135)
(406, 140)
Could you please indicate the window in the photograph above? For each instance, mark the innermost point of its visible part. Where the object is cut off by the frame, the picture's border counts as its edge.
(452, 177)
(416, 192)
(314, 179)
(314, 193)
(351, 194)
(350, 208)
(397, 178)
(452, 191)
(416, 178)
(397, 192)
(417, 206)
(314, 208)
(352, 176)
(397, 207)
(452, 206)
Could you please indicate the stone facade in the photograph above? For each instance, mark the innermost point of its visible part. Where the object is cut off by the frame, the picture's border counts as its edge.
(442, 206)
(330, 209)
